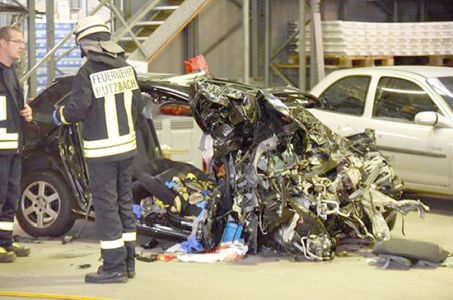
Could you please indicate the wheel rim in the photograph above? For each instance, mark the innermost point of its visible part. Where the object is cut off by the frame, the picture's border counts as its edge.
(40, 204)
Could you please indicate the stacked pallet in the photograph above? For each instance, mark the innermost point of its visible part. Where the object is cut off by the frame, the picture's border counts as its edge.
(362, 40)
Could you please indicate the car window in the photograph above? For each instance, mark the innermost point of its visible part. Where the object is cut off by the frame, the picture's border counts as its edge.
(347, 95)
(444, 87)
(400, 99)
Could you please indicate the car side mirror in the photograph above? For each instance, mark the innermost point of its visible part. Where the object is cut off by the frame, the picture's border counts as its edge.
(431, 118)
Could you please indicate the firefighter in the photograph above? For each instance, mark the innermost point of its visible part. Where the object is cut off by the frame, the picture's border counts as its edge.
(106, 99)
(13, 111)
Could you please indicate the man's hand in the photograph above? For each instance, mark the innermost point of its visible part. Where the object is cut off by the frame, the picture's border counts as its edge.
(27, 113)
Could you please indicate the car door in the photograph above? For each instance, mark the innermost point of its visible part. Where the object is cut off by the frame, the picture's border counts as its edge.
(344, 104)
(420, 153)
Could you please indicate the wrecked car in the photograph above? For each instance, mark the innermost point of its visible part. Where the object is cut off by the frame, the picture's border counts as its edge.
(292, 182)
(287, 180)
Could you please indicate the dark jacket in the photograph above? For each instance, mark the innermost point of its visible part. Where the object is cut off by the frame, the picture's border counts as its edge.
(11, 102)
(111, 117)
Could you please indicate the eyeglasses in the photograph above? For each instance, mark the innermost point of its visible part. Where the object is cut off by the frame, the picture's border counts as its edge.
(17, 41)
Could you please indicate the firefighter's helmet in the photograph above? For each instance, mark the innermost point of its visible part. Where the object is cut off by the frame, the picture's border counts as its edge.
(89, 25)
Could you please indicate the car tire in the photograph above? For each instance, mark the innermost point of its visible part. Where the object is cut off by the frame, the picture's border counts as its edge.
(45, 205)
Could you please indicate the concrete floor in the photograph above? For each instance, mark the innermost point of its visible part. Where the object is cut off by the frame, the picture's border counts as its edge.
(54, 268)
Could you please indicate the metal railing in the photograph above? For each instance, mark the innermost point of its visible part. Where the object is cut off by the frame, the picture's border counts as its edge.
(126, 29)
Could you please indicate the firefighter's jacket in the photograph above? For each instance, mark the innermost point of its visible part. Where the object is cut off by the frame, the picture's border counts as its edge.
(11, 103)
(106, 99)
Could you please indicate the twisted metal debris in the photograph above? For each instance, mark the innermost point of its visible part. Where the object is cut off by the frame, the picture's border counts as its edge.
(289, 180)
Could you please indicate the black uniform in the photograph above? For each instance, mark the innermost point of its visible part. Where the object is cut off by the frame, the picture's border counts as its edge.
(11, 141)
(106, 98)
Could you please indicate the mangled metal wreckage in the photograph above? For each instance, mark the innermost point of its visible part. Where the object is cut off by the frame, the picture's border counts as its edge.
(291, 182)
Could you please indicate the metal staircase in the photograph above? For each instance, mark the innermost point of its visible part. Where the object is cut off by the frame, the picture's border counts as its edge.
(157, 30)
(145, 34)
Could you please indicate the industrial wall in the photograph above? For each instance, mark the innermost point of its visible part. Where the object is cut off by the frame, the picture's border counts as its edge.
(220, 40)
(220, 27)
(220, 31)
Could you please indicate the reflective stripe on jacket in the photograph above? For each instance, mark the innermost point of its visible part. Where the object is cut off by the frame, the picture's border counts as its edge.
(11, 123)
(106, 98)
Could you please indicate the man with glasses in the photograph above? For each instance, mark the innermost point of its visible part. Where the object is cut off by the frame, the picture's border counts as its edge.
(13, 112)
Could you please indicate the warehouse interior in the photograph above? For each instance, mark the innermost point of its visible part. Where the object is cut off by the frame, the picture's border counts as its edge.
(229, 96)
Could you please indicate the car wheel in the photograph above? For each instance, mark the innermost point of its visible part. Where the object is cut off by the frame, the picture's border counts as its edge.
(45, 205)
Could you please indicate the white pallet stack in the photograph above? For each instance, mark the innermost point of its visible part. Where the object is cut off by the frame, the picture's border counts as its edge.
(344, 38)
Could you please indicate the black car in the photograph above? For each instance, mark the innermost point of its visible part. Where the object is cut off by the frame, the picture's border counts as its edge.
(55, 189)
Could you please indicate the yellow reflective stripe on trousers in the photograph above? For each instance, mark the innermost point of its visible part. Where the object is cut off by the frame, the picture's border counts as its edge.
(129, 236)
(112, 244)
(6, 226)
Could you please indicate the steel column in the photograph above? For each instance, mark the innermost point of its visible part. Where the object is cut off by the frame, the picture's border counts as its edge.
(192, 39)
(50, 36)
(302, 56)
(317, 53)
(246, 36)
(267, 50)
(395, 11)
(254, 39)
(32, 83)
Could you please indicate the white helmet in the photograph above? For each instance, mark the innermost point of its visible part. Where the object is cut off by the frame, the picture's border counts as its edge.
(89, 25)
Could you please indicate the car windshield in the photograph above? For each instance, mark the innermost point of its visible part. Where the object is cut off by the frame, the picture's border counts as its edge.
(444, 87)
